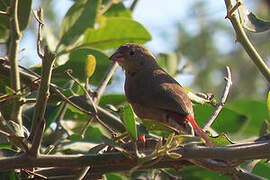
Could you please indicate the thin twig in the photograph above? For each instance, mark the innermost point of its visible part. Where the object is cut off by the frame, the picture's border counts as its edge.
(68, 72)
(83, 173)
(222, 99)
(4, 13)
(133, 5)
(86, 126)
(35, 174)
(111, 69)
(243, 39)
(40, 18)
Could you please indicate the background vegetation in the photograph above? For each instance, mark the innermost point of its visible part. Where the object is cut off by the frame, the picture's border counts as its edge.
(57, 122)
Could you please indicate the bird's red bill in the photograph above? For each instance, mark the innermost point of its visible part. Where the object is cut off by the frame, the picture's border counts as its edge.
(117, 56)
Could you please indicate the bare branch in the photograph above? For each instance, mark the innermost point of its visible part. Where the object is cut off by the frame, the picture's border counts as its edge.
(112, 68)
(34, 150)
(43, 91)
(40, 18)
(222, 99)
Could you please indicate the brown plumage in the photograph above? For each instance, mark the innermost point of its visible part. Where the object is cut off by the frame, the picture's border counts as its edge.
(152, 92)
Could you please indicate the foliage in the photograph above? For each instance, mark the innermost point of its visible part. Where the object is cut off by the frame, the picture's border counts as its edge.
(79, 123)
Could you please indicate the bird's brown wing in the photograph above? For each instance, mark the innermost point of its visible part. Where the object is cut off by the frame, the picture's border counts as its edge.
(157, 89)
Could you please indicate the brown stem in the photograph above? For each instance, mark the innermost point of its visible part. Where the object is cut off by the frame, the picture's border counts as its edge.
(15, 36)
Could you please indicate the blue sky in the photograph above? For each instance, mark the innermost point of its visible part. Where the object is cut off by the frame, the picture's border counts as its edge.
(158, 16)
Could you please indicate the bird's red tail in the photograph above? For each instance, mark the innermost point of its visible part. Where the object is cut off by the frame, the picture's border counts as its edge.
(198, 131)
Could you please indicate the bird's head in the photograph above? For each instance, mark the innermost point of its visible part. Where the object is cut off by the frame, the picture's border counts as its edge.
(134, 57)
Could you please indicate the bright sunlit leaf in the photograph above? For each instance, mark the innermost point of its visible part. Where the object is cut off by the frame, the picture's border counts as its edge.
(90, 65)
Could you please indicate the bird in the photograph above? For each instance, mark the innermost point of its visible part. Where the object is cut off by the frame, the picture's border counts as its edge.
(153, 93)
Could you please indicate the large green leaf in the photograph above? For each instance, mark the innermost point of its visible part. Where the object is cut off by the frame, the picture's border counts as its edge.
(114, 32)
(228, 121)
(92, 134)
(118, 10)
(80, 16)
(255, 110)
(76, 62)
(127, 116)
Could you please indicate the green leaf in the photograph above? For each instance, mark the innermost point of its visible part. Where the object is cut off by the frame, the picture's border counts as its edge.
(92, 134)
(75, 147)
(255, 24)
(4, 22)
(255, 110)
(10, 175)
(15, 129)
(118, 10)
(76, 62)
(197, 173)
(220, 140)
(127, 116)
(51, 114)
(108, 119)
(115, 176)
(114, 99)
(80, 16)
(262, 168)
(115, 32)
(24, 11)
(5, 146)
(151, 125)
(90, 65)
(250, 21)
(51, 39)
(228, 121)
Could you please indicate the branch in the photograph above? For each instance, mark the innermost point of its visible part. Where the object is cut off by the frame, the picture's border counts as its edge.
(102, 163)
(40, 18)
(4, 13)
(34, 150)
(222, 99)
(15, 37)
(112, 68)
(46, 73)
(243, 39)
(133, 5)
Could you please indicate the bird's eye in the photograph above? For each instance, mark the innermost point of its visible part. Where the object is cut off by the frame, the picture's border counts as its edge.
(131, 53)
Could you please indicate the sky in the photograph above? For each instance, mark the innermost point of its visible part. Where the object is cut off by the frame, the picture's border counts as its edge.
(158, 16)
